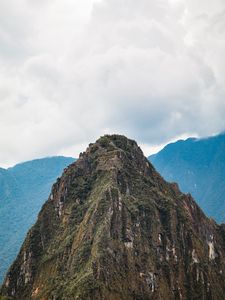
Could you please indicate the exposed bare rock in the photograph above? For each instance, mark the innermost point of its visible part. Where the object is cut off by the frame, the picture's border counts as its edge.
(114, 229)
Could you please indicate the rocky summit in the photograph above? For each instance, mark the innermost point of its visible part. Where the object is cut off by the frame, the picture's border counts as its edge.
(113, 229)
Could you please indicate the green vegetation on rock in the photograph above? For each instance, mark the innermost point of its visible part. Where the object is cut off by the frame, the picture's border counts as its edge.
(113, 229)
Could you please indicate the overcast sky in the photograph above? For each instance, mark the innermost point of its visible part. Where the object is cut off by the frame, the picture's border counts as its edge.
(73, 70)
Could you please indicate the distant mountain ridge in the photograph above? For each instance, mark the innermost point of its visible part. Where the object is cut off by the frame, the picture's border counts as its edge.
(23, 190)
(198, 166)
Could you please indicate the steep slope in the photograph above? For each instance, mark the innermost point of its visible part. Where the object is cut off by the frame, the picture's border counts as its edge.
(111, 229)
(198, 166)
(23, 190)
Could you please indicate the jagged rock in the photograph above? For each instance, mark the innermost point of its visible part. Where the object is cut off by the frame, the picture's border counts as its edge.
(114, 229)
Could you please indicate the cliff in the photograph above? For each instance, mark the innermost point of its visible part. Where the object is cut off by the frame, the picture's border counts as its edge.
(112, 228)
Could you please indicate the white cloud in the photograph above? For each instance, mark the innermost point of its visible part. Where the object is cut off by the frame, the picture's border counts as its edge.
(73, 70)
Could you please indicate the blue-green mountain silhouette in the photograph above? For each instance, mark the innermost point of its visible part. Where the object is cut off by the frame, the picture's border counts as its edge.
(198, 166)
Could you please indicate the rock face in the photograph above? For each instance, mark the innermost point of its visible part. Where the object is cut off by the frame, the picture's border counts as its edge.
(112, 229)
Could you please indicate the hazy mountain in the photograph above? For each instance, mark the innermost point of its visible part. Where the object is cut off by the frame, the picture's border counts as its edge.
(23, 190)
(113, 229)
(198, 165)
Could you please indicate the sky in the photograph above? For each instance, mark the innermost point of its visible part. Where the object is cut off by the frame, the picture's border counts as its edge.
(73, 70)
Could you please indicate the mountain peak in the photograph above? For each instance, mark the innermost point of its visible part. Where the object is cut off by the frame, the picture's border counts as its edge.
(118, 142)
(115, 144)
(113, 152)
(112, 228)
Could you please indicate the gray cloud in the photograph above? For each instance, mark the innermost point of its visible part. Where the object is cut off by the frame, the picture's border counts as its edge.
(73, 70)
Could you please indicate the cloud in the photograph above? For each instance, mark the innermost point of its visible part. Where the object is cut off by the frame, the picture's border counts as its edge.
(73, 70)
